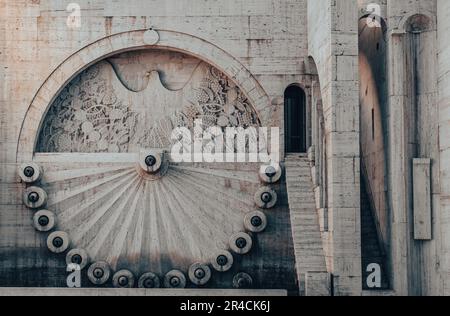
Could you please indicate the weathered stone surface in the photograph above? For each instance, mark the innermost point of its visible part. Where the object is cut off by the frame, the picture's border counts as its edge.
(373, 104)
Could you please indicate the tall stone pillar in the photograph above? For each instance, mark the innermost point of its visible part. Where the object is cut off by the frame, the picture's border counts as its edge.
(443, 9)
(333, 43)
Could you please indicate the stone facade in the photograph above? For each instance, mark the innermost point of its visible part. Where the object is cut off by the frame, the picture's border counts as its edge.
(90, 90)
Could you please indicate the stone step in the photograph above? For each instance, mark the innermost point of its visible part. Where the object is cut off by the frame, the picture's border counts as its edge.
(306, 233)
(302, 197)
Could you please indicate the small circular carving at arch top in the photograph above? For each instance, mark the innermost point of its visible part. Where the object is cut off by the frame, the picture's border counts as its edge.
(151, 37)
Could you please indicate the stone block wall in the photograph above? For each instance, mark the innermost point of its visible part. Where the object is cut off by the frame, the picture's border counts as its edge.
(333, 45)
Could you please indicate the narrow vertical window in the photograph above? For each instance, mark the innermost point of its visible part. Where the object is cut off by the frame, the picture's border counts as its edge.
(295, 120)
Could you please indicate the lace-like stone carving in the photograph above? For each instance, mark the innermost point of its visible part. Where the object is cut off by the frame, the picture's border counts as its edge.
(88, 116)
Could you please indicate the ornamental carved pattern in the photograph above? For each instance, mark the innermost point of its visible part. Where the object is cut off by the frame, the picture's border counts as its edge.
(90, 115)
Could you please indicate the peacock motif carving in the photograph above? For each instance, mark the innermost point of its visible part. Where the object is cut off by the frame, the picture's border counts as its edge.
(147, 215)
(96, 114)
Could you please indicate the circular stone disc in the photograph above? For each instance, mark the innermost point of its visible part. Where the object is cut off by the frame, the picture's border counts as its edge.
(103, 266)
(149, 277)
(78, 252)
(249, 225)
(242, 281)
(155, 171)
(219, 267)
(31, 178)
(270, 173)
(199, 280)
(179, 276)
(260, 203)
(65, 242)
(42, 200)
(151, 37)
(51, 221)
(248, 243)
(123, 275)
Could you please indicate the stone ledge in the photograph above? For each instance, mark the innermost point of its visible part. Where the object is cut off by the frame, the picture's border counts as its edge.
(137, 292)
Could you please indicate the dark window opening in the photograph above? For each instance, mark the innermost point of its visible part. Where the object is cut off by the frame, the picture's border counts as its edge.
(295, 120)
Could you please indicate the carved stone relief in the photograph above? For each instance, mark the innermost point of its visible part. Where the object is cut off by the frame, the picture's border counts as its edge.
(111, 108)
(125, 210)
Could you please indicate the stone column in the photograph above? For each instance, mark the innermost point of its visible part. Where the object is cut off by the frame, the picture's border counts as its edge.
(443, 9)
(333, 43)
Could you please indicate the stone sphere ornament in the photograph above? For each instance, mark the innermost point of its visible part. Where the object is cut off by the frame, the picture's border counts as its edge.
(123, 279)
(255, 222)
(152, 164)
(34, 197)
(79, 257)
(222, 261)
(175, 279)
(242, 281)
(99, 273)
(266, 198)
(58, 242)
(151, 37)
(30, 172)
(270, 173)
(149, 281)
(199, 274)
(241, 243)
(44, 221)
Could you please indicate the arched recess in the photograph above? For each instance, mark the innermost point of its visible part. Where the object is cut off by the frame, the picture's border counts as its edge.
(421, 84)
(103, 201)
(412, 134)
(295, 120)
(373, 99)
(131, 41)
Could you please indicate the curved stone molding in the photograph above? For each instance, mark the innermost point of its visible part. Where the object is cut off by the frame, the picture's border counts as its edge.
(403, 23)
(129, 41)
